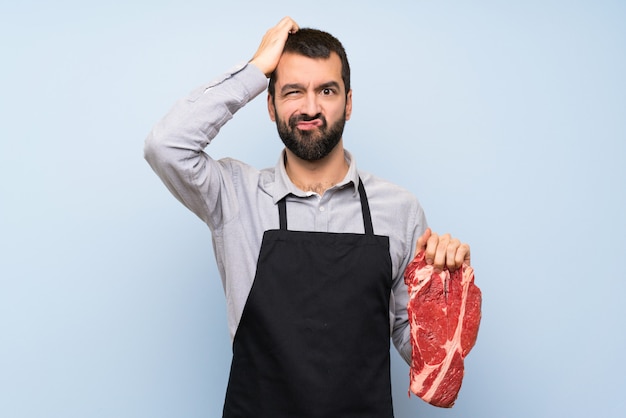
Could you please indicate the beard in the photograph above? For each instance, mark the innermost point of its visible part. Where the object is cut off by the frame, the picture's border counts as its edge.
(310, 145)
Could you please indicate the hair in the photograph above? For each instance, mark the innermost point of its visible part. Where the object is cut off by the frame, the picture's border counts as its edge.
(314, 43)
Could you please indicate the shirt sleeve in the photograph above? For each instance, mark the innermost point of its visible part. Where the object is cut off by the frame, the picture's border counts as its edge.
(401, 332)
(175, 146)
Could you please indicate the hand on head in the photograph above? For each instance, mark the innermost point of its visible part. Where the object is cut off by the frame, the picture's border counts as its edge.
(271, 48)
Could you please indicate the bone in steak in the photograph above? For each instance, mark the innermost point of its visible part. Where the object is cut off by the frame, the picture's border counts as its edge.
(444, 314)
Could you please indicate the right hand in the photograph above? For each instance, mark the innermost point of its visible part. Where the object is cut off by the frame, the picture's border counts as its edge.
(267, 56)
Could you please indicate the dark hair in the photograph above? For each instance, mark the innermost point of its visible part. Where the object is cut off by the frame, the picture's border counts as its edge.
(314, 43)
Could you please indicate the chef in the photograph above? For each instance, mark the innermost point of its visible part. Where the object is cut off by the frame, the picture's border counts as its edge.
(311, 252)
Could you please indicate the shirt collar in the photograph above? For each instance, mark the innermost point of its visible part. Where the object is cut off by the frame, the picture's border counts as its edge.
(283, 185)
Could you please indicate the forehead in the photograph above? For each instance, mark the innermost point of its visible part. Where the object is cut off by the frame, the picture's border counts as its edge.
(298, 69)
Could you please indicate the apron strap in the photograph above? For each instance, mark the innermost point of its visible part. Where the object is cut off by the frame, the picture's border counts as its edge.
(282, 213)
(365, 209)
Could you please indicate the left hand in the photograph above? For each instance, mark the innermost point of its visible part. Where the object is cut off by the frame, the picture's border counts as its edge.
(443, 251)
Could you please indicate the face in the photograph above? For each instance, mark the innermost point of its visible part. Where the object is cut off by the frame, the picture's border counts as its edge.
(310, 105)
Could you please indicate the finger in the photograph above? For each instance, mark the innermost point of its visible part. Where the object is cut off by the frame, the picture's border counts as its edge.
(462, 255)
(421, 241)
(439, 259)
(289, 24)
(451, 253)
(431, 248)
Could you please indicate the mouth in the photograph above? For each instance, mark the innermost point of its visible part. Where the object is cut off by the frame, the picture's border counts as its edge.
(309, 124)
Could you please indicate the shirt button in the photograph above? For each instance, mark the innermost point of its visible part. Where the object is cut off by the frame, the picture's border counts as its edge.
(322, 209)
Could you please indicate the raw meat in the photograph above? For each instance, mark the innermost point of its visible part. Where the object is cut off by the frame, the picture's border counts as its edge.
(444, 314)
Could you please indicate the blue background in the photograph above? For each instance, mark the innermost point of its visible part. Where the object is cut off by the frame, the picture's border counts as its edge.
(506, 119)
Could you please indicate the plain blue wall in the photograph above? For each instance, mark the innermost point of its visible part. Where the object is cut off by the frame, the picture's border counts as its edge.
(506, 119)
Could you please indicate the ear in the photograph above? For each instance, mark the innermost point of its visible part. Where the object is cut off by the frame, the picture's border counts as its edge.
(271, 108)
(349, 105)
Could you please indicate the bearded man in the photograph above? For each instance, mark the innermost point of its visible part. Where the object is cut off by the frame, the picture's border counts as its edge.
(311, 252)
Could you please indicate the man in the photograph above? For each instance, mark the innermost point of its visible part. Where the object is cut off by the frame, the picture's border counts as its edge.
(311, 252)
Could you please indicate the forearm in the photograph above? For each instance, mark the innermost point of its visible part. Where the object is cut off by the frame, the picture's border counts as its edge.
(174, 148)
(401, 333)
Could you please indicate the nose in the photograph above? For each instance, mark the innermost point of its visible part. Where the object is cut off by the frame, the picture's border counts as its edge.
(310, 105)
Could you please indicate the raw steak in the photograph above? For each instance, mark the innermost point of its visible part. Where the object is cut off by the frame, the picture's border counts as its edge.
(444, 315)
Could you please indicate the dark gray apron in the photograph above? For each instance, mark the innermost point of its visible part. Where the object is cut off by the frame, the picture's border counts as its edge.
(313, 340)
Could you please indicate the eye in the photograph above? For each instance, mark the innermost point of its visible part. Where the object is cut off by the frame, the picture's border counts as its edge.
(291, 93)
(327, 91)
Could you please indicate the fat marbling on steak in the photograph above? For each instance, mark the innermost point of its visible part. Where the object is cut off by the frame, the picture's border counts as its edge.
(444, 314)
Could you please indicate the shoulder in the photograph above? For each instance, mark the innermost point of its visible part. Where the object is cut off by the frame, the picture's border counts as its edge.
(395, 210)
(383, 192)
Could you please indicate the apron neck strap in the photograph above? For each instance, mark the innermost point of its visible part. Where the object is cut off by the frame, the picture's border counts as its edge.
(365, 209)
(282, 213)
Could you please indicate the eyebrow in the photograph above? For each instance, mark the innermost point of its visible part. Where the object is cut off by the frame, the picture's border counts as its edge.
(298, 86)
(330, 84)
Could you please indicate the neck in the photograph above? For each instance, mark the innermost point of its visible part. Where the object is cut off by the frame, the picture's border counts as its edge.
(317, 176)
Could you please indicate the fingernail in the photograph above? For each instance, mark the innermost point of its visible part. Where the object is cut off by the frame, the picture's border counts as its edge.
(429, 261)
